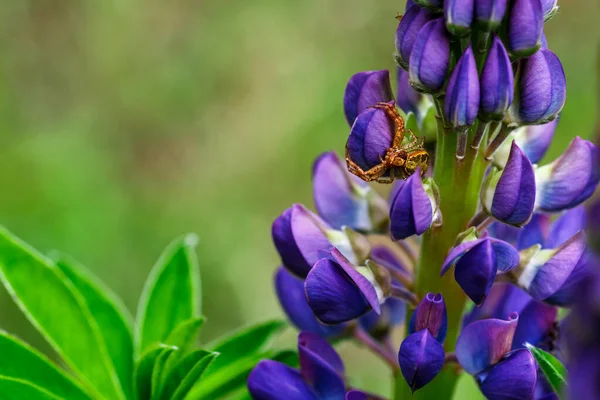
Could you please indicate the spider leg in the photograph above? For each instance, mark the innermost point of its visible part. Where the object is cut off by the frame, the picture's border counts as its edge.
(393, 114)
(373, 174)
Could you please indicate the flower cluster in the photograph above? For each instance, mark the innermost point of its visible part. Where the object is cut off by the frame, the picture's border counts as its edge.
(477, 76)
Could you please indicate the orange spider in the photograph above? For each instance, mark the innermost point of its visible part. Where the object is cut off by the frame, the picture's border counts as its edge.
(402, 160)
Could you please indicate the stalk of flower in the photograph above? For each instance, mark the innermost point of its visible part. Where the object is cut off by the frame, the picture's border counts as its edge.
(511, 231)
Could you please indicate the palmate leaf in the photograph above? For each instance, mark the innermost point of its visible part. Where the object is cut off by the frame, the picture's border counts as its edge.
(18, 389)
(113, 320)
(59, 312)
(239, 353)
(21, 362)
(553, 369)
(171, 294)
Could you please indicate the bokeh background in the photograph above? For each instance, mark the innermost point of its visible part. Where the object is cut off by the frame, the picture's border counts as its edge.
(125, 123)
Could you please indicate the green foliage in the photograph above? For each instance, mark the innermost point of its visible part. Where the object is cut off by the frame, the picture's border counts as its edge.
(553, 369)
(91, 331)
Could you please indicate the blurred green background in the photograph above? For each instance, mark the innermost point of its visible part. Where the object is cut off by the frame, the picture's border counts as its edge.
(126, 122)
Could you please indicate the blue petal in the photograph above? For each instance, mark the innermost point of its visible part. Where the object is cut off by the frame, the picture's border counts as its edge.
(408, 28)
(567, 225)
(272, 380)
(482, 344)
(536, 321)
(476, 270)
(535, 232)
(507, 257)
(567, 293)
(457, 252)
(537, 139)
(430, 57)
(459, 16)
(525, 25)
(421, 358)
(411, 212)
(497, 80)
(365, 89)
(290, 292)
(320, 366)
(430, 314)
(513, 378)
(370, 137)
(462, 93)
(502, 300)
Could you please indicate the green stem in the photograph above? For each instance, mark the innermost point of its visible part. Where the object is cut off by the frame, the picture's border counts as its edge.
(459, 191)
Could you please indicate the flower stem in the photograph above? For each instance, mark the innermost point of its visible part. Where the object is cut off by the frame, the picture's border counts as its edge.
(505, 131)
(364, 338)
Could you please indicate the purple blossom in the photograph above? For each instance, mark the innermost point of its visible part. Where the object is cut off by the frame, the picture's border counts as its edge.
(430, 57)
(408, 29)
(365, 89)
(525, 25)
(489, 13)
(497, 83)
(462, 94)
(412, 210)
(421, 358)
(430, 314)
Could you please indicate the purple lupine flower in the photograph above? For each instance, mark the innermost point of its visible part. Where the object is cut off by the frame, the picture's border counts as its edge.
(413, 209)
(365, 89)
(570, 179)
(409, 4)
(421, 358)
(459, 16)
(476, 263)
(434, 5)
(541, 89)
(525, 25)
(370, 137)
(549, 8)
(489, 14)
(534, 140)
(483, 350)
(337, 292)
(509, 194)
(299, 236)
(544, 272)
(406, 34)
(430, 57)
(342, 199)
(320, 376)
(409, 100)
(430, 314)
(462, 94)
(290, 292)
(497, 83)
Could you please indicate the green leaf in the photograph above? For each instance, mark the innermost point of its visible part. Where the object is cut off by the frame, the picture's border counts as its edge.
(159, 370)
(171, 294)
(18, 389)
(19, 361)
(185, 374)
(113, 320)
(57, 310)
(144, 369)
(555, 371)
(184, 335)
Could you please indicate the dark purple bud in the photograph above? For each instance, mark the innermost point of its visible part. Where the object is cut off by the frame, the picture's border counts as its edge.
(541, 89)
(430, 314)
(476, 263)
(412, 210)
(290, 292)
(459, 16)
(489, 13)
(482, 344)
(320, 366)
(365, 89)
(497, 83)
(408, 5)
(370, 137)
(270, 380)
(514, 377)
(549, 8)
(409, 100)
(509, 194)
(570, 179)
(421, 358)
(429, 58)
(434, 5)
(462, 94)
(343, 199)
(525, 25)
(299, 236)
(406, 34)
(337, 292)
(544, 272)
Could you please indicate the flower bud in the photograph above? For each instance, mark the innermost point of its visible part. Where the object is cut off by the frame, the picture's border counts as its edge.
(482, 344)
(290, 292)
(525, 25)
(513, 377)
(414, 208)
(497, 83)
(430, 314)
(365, 89)
(370, 137)
(409, 4)
(541, 89)
(338, 291)
(476, 263)
(320, 366)
(421, 358)
(489, 14)
(570, 179)
(459, 16)
(509, 194)
(342, 199)
(269, 380)
(430, 57)
(408, 29)
(462, 94)
(533, 140)
(411, 101)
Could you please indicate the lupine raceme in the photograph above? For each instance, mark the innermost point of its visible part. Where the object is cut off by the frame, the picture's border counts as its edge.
(480, 240)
